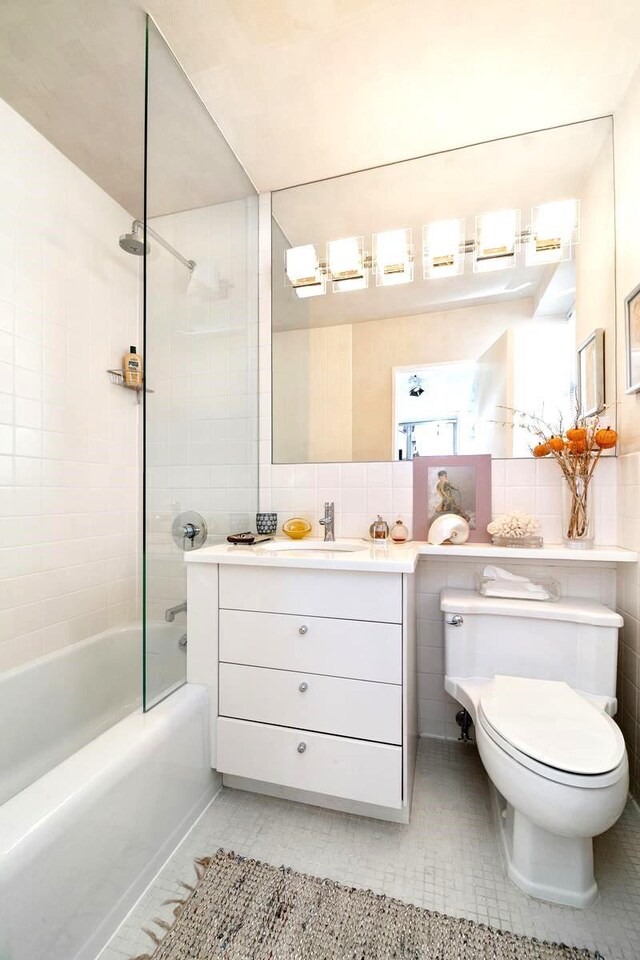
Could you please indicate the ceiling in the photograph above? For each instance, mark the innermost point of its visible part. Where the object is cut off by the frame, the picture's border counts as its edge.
(304, 90)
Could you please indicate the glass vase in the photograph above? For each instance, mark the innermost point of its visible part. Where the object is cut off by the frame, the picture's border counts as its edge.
(577, 514)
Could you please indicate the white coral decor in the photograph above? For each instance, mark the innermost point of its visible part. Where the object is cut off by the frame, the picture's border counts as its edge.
(513, 525)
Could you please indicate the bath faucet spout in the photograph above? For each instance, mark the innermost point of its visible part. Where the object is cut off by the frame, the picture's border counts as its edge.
(170, 612)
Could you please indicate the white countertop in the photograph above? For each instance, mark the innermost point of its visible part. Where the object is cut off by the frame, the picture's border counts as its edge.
(551, 551)
(390, 557)
(381, 558)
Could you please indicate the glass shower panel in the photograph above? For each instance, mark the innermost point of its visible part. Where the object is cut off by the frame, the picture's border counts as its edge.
(200, 351)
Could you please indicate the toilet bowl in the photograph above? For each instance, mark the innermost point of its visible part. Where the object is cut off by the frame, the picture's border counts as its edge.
(547, 814)
(555, 758)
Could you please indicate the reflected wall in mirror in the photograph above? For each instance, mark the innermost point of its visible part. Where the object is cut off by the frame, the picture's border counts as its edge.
(461, 289)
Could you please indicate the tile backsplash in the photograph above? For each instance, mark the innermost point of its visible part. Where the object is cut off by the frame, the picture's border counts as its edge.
(362, 490)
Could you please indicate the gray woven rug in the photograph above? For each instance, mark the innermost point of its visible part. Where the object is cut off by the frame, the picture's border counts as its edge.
(246, 910)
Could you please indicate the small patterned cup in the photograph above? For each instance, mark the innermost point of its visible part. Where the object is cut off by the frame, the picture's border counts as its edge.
(266, 522)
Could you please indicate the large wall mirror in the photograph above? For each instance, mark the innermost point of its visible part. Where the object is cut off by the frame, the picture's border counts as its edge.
(416, 305)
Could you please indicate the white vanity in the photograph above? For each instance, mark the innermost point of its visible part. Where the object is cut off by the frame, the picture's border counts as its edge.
(310, 657)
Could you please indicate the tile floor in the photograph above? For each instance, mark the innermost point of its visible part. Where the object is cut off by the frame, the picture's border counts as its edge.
(446, 859)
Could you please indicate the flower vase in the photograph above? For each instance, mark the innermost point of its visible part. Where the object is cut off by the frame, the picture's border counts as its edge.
(577, 514)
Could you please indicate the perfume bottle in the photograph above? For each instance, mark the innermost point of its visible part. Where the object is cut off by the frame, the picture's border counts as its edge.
(399, 532)
(379, 529)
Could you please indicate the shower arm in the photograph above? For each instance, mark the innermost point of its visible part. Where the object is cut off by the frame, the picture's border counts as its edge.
(139, 225)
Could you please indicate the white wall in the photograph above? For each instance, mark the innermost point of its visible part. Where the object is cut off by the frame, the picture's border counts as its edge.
(69, 439)
(627, 164)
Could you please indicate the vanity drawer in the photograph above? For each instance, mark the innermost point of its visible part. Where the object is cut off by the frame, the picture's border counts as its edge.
(350, 595)
(350, 708)
(359, 649)
(337, 766)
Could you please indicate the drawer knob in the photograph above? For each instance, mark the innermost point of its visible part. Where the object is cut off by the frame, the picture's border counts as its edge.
(304, 686)
(302, 747)
(303, 629)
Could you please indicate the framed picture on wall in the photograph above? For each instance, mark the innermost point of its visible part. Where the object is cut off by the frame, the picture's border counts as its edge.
(632, 323)
(590, 374)
(457, 485)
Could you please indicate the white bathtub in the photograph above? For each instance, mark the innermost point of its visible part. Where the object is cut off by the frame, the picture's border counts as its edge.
(57, 704)
(79, 844)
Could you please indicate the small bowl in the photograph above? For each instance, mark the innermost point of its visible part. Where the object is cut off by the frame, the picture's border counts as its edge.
(297, 528)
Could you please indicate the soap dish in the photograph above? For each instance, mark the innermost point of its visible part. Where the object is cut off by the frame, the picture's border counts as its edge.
(296, 528)
(549, 589)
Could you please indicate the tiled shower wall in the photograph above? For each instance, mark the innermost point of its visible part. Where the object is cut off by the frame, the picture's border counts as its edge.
(69, 439)
(202, 419)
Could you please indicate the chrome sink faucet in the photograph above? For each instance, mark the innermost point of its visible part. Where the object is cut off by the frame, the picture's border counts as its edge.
(328, 521)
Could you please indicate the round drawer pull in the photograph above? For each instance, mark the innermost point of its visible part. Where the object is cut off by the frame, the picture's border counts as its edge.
(302, 747)
(304, 686)
(303, 629)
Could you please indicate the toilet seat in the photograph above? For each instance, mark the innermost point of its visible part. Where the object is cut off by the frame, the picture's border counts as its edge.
(548, 727)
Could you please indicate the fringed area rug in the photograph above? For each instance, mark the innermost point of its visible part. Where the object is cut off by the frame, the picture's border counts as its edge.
(246, 910)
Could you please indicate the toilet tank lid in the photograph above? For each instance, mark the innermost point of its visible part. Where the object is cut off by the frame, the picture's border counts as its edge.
(572, 609)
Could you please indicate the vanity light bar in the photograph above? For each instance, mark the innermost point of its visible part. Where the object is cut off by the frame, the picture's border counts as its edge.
(393, 257)
(346, 264)
(555, 229)
(443, 249)
(304, 271)
(497, 240)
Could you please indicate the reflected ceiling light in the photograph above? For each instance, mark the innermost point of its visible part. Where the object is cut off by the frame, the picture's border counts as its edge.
(393, 257)
(346, 264)
(443, 249)
(554, 228)
(496, 241)
(304, 271)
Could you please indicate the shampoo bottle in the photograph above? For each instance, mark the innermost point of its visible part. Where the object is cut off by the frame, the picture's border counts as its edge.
(132, 368)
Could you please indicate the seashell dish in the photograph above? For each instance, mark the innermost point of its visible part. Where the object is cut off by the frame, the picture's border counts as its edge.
(448, 528)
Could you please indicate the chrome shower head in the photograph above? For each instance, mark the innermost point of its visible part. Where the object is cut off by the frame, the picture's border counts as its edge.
(133, 243)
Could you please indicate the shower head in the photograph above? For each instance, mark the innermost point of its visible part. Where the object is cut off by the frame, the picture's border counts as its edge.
(132, 243)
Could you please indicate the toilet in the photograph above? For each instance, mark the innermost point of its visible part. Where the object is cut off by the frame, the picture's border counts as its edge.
(539, 681)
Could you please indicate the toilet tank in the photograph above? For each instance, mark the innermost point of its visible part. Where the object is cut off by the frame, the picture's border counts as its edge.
(571, 639)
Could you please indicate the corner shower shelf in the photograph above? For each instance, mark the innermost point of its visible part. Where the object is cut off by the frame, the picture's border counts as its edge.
(117, 377)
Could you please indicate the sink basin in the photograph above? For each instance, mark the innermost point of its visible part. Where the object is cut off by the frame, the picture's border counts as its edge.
(337, 546)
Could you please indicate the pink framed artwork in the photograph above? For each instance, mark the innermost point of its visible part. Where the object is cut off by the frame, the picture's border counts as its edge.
(460, 485)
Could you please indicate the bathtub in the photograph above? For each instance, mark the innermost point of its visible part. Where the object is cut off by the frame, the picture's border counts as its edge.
(101, 800)
(57, 704)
